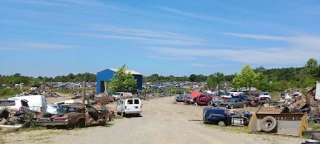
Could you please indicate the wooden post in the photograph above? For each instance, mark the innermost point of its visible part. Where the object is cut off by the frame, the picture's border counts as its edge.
(83, 92)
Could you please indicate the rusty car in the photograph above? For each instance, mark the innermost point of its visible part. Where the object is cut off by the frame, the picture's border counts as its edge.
(76, 115)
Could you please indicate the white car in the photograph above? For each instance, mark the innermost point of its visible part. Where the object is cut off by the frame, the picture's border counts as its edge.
(265, 95)
(15, 105)
(129, 106)
(37, 103)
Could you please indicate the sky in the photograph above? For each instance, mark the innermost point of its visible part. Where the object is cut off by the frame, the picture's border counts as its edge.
(167, 37)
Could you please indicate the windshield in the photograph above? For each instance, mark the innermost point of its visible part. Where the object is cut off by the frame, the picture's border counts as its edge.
(230, 100)
(117, 93)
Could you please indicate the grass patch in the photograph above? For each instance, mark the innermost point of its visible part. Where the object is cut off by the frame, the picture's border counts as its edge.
(275, 95)
(65, 91)
(237, 129)
(314, 126)
(32, 128)
(118, 117)
(2, 141)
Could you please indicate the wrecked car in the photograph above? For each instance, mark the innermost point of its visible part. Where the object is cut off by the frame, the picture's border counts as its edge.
(203, 100)
(76, 115)
(181, 97)
(234, 103)
(215, 101)
(214, 115)
(14, 111)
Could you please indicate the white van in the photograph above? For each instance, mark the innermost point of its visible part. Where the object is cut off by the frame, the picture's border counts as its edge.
(37, 103)
(129, 106)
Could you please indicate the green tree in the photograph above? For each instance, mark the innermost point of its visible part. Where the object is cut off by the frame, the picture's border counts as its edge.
(247, 77)
(312, 63)
(192, 77)
(122, 81)
(216, 79)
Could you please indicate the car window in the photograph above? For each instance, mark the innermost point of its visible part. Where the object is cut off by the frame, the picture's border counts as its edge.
(91, 109)
(7, 103)
(24, 103)
(130, 101)
(136, 101)
(230, 100)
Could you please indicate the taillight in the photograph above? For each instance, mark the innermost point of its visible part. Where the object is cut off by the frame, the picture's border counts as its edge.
(125, 107)
(60, 118)
(21, 109)
(140, 107)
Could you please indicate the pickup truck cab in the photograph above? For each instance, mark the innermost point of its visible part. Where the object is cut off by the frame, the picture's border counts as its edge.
(129, 106)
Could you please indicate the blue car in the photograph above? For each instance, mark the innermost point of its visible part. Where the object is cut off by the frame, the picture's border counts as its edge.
(216, 114)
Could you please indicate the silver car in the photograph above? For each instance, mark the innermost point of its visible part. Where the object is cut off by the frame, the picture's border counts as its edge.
(53, 109)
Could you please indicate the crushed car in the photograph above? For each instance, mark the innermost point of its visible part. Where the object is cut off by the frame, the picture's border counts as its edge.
(214, 115)
(76, 115)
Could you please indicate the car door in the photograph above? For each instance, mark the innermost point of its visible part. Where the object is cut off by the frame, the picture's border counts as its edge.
(118, 106)
(236, 103)
(130, 105)
(240, 103)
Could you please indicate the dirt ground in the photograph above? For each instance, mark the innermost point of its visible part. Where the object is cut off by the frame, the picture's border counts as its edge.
(163, 121)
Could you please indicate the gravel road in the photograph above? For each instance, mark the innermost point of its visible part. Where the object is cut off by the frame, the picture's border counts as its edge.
(162, 122)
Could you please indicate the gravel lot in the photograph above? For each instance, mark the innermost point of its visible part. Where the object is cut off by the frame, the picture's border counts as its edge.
(162, 121)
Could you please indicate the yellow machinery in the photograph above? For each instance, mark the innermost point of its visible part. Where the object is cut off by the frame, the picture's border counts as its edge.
(279, 120)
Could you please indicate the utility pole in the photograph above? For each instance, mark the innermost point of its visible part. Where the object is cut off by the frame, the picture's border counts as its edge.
(83, 92)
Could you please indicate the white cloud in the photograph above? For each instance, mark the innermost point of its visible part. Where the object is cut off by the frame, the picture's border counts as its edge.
(47, 46)
(205, 65)
(143, 39)
(252, 36)
(170, 58)
(147, 33)
(198, 16)
(36, 46)
(250, 56)
(302, 41)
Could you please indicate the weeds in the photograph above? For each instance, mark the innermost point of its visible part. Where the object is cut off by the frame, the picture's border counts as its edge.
(314, 126)
(238, 129)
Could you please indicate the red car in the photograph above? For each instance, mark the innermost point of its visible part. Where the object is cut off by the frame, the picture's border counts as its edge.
(203, 100)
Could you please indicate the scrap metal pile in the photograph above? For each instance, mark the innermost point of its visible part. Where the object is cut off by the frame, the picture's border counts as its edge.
(42, 90)
(289, 118)
(154, 92)
(11, 121)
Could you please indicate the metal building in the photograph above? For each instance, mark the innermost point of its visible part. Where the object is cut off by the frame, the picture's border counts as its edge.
(107, 74)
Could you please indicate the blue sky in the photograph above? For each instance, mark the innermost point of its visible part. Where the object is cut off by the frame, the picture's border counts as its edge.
(180, 37)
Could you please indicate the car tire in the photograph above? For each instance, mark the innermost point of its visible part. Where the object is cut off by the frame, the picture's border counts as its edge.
(268, 124)
(231, 107)
(81, 123)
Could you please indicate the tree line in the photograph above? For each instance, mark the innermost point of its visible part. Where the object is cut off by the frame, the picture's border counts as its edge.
(276, 79)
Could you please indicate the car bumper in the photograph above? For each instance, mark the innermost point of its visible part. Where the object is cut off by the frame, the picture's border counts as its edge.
(133, 112)
(51, 123)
